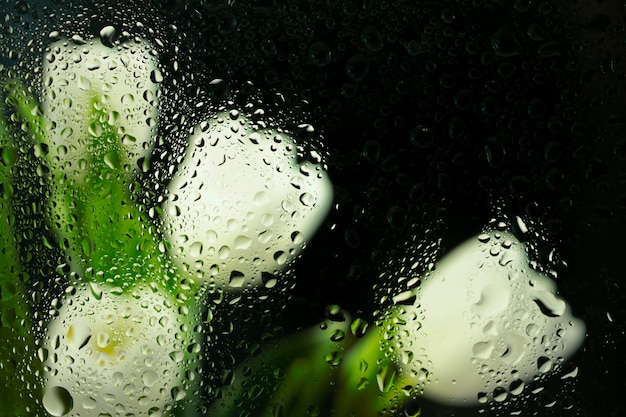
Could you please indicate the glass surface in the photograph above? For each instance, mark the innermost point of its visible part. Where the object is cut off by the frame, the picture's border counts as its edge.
(312, 208)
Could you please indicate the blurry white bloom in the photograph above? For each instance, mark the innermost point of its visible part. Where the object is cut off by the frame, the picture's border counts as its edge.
(114, 354)
(489, 324)
(241, 204)
(122, 80)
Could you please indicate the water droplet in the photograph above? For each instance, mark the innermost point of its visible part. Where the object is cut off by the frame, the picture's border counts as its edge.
(482, 398)
(84, 83)
(370, 36)
(494, 299)
(359, 327)
(357, 67)
(338, 335)
(112, 160)
(385, 378)
(149, 378)
(396, 216)
(195, 249)
(544, 364)
(178, 393)
(156, 76)
(499, 394)
(495, 151)
(549, 304)
(8, 155)
(242, 242)
(504, 42)
(269, 280)
(237, 279)
(107, 34)
(57, 401)
(334, 358)
(307, 199)
(319, 54)
(483, 350)
(262, 198)
(516, 387)
(78, 334)
(422, 136)
(281, 257)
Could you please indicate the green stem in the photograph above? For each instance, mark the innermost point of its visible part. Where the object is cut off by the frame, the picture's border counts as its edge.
(20, 372)
(106, 235)
(311, 373)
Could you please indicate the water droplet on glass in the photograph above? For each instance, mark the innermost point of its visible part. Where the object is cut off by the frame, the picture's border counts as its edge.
(237, 279)
(422, 136)
(319, 54)
(359, 327)
(357, 67)
(57, 401)
(504, 42)
(499, 394)
(370, 36)
(156, 76)
(107, 34)
(544, 364)
(78, 334)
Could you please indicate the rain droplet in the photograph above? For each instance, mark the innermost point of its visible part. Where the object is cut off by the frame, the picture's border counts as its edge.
(319, 54)
(499, 394)
(57, 401)
(422, 136)
(357, 67)
(79, 334)
(359, 327)
(242, 242)
(84, 83)
(237, 279)
(544, 364)
(156, 76)
(504, 42)
(107, 34)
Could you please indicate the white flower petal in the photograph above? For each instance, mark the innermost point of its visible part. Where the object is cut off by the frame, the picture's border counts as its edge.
(240, 200)
(110, 353)
(120, 78)
(488, 323)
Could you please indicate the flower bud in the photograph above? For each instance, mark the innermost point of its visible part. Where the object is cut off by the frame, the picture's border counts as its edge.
(241, 205)
(109, 352)
(86, 78)
(484, 324)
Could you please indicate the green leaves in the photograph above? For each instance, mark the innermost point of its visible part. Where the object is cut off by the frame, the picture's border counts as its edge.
(20, 372)
(101, 229)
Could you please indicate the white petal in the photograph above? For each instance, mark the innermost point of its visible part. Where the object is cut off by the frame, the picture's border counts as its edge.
(119, 78)
(110, 352)
(240, 200)
(488, 322)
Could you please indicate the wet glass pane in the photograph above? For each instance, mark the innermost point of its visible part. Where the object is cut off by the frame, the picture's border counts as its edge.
(312, 208)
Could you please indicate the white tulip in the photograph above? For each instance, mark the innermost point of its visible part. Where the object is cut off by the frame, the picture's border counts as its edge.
(114, 354)
(484, 324)
(241, 204)
(122, 80)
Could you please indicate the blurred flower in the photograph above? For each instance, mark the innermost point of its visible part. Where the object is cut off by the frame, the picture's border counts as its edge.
(483, 325)
(241, 204)
(122, 79)
(113, 354)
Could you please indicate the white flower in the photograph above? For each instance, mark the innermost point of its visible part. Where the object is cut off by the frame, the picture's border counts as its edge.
(123, 80)
(113, 354)
(484, 324)
(241, 204)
